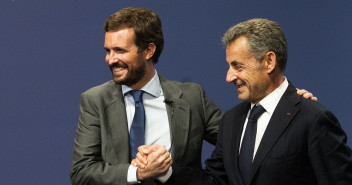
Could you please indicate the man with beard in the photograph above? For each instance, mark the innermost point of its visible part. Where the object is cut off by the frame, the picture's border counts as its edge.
(176, 115)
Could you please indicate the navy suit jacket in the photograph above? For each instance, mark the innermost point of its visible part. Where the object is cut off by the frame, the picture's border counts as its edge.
(303, 144)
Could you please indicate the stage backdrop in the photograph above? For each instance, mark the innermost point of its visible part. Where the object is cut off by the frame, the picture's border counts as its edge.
(52, 51)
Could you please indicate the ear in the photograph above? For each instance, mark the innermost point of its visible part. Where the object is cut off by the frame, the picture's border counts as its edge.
(150, 50)
(270, 62)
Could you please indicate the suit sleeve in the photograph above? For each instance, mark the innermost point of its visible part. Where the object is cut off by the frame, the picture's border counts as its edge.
(215, 167)
(214, 174)
(88, 166)
(329, 155)
(212, 116)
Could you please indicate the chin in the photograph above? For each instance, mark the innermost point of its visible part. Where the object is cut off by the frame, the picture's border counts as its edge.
(119, 81)
(242, 96)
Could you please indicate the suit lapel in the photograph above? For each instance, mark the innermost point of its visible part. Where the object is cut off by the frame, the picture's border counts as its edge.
(284, 112)
(179, 117)
(178, 114)
(116, 122)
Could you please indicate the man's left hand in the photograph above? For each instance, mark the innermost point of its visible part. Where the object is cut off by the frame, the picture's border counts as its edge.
(306, 94)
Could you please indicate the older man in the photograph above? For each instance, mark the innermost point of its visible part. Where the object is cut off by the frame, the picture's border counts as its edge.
(274, 137)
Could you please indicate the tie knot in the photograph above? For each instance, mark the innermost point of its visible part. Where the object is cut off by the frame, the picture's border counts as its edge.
(256, 112)
(137, 95)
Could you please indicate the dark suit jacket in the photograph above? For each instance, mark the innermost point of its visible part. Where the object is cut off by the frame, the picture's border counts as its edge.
(101, 150)
(302, 145)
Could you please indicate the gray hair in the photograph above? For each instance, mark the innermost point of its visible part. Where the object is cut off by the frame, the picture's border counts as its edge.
(263, 36)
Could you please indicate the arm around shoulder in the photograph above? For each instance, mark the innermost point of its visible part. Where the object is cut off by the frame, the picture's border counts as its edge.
(212, 116)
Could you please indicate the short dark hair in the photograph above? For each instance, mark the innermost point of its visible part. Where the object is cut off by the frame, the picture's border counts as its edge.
(263, 36)
(146, 25)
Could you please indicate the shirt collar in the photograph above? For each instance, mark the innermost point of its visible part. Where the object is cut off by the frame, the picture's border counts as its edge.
(270, 102)
(153, 87)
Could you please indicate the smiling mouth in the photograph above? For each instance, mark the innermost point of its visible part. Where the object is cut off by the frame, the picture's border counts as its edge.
(239, 85)
(117, 69)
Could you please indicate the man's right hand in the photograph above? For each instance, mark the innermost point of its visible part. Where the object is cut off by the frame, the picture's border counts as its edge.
(151, 161)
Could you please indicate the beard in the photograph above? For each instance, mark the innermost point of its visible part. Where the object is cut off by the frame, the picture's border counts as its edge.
(133, 74)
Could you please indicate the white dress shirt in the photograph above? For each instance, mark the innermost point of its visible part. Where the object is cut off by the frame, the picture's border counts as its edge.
(157, 129)
(269, 103)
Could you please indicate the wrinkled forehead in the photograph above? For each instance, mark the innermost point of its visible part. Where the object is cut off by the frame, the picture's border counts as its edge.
(237, 49)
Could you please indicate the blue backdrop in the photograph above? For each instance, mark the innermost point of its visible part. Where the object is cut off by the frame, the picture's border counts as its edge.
(51, 51)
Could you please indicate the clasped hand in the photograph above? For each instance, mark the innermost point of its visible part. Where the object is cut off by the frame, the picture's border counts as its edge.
(151, 161)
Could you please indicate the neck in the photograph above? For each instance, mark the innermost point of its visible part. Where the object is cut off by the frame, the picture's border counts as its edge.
(275, 80)
(149, 74)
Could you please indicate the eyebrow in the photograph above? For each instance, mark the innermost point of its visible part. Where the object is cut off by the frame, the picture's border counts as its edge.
(234, 62)
(116, 48)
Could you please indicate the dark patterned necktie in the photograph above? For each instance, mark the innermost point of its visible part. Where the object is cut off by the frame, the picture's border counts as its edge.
(247, 148)
(137, 127)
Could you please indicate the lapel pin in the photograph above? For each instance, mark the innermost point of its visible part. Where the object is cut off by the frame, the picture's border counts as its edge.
(288, 114)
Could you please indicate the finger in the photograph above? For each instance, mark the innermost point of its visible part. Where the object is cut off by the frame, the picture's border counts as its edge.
(155, 147)
(314, 98)
(134, 163)
(164, 159)
(164, 165)
(168, 161)
(308, 95)
(161, 151)
(167, 166)
(302, 91)
(138, 163)
(157, 154)
(145, 149)
(142, 147)
(142, 158)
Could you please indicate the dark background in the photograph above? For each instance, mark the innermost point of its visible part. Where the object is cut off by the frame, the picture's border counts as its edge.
(51, 51)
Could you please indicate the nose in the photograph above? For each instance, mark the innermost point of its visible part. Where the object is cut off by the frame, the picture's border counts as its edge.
(111, 58)
(231, 75)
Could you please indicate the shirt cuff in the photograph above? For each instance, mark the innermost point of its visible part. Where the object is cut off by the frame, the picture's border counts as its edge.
(132, 175)
(163, 178)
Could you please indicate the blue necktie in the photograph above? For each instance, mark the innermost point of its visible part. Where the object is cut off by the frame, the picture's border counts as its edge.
(247, 148)
(137, 127)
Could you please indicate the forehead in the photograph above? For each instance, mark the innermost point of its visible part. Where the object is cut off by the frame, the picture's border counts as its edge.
(237, 50)
(122, 37)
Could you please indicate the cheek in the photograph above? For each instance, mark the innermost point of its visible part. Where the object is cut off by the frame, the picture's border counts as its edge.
(128, 59)
(257, 81)
(244, 76)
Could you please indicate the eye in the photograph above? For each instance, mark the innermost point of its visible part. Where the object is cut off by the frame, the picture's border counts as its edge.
(240, 66)
(119, 50)
(237, 66)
